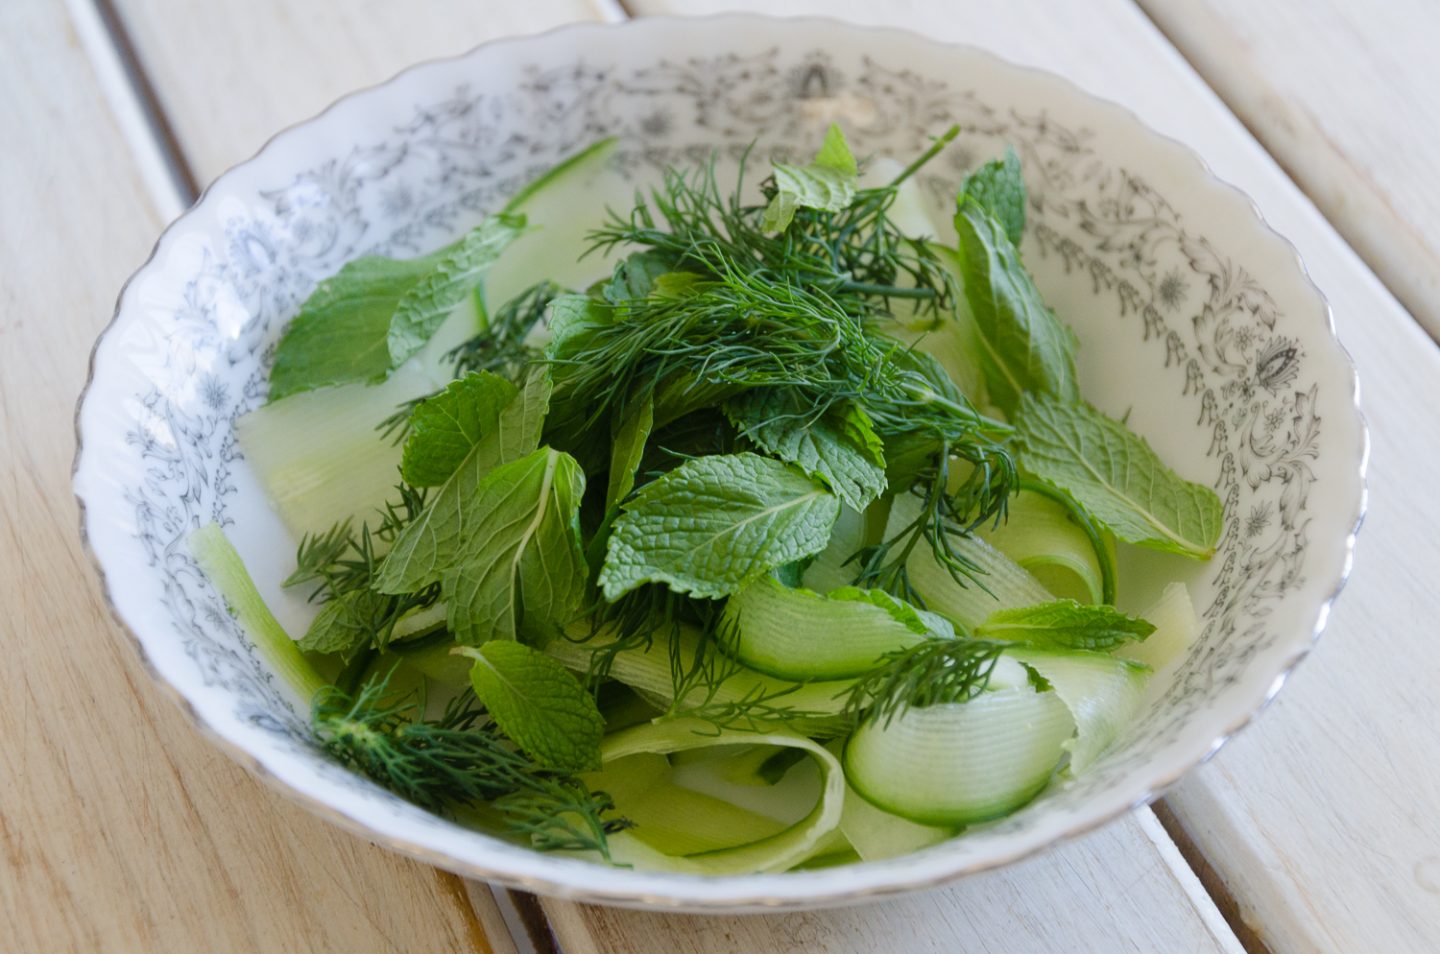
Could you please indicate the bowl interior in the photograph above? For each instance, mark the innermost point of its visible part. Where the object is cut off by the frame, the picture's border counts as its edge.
(1194, 319)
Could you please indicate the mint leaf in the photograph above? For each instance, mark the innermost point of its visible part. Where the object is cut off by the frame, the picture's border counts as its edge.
(999, 187)
(828, 183)
(520, 567)
(835, 153)
(716, 523)
(1065, 624)
(569, 318)
(367, 318)
(918, 621)
(428, 546)
(446, 427)
(1113, 473)
(535, 701)
(840, 447)
(900, 612)
(628, 450)
(635, 276)
(426, 305)
(346, 623)
(1023, 346)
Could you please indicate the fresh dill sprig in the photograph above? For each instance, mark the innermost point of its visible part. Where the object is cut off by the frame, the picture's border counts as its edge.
(857, 255)
(942, 516)
(932, 672)
(501, 348)
(803, 311)
(459, 759)
(341, 560)
(761, 709)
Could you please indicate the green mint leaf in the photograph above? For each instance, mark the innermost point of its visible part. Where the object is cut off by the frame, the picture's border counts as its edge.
(901, 612)
(835, 153)
(425, 306)
(347, 623)
(1023, 346)
(521, 566)
(428, 546)
(676, 284)
(839, 447)
(999, 187)
(569, 319)
(918, 621)
(535, 701)
(628, 450)
(446, 427)
(715, 524)
(635, 276)
(1116, 477)
(780, 212)
(828, 183)
(344, 330)
(1065, 624)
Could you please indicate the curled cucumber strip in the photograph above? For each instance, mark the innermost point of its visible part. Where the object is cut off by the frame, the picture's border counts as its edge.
(776, 852)
(818, 705)
(1042, 536)
(1102, 692)
(960, 763)
(801, 635)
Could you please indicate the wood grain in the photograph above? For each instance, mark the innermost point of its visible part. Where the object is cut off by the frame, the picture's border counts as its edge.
(1344, 95)
(120, 827)
(1120, 889)
(1320, 818)
(231, 73)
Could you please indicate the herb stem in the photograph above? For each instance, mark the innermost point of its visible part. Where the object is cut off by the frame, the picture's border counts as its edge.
(888, 291)
(926, 156)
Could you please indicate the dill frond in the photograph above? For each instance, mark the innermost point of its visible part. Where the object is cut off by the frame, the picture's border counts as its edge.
(459, 759)
(932, 672)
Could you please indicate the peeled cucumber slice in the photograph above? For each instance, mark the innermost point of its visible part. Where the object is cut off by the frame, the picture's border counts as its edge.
(671, 818)
(1040, 536)
(648, 673)
(1003, 584)
(319, 454)
(223, 567)
(1177, 626)
(875, 834)
(1102, 692)
(961, 763)
(830, 569)
(799, 634)
(774, 852)
(560, 208)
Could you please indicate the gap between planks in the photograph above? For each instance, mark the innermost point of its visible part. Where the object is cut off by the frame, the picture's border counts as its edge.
(132, 101)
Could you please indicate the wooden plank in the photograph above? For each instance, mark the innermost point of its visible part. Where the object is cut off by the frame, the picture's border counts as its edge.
(231, 73)
(1119, 889)
(1320, 818)
(1342, 94)
(121, 828)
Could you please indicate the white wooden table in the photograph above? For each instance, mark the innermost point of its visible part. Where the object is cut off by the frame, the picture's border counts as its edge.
(121, 829)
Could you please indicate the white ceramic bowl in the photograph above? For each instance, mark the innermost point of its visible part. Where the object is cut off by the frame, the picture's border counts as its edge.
(1195, 318)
